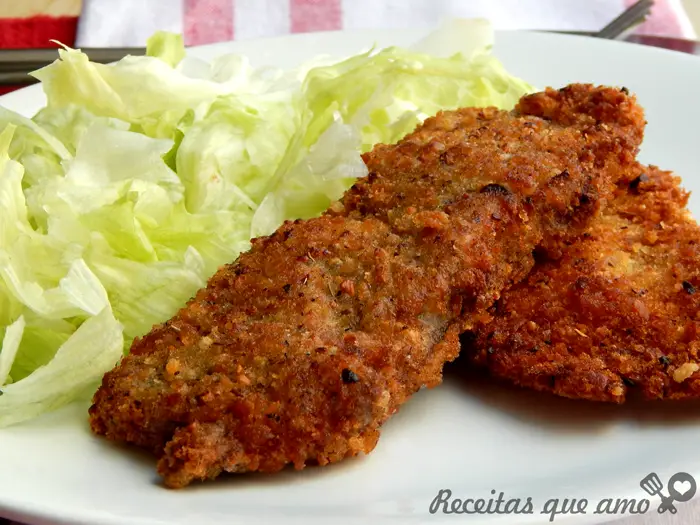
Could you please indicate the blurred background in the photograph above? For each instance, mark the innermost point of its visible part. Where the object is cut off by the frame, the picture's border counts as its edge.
(693, 8)
(32, 23)
(127, 23)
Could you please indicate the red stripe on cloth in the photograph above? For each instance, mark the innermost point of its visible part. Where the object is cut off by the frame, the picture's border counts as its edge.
(315, 15)
(208, 21)
(8, 89)
(37, 31)
(662, 22)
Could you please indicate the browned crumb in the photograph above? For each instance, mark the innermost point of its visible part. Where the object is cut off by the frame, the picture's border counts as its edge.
(617, 312)
(299, 351)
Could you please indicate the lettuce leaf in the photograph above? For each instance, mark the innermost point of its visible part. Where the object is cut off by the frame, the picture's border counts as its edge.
(78, 364)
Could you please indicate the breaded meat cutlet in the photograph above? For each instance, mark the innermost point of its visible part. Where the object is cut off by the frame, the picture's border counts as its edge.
(618, 312)
(297, 352)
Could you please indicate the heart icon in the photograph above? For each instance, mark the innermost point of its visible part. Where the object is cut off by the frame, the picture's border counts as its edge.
(682, 487)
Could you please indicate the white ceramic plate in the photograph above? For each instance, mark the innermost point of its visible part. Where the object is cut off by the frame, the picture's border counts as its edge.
(467, 435)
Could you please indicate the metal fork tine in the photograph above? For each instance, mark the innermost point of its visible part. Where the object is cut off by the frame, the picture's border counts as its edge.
(636, 14)
(24, 61)
(16, 78)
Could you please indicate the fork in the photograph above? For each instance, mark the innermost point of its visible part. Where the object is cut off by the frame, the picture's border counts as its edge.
(628, 20)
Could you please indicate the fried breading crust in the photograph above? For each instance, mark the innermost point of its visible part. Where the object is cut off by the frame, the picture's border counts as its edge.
(617, 312)
(301, 349)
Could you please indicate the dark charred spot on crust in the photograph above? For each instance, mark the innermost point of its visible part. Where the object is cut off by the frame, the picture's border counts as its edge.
(564, 175)
(689, 288)
(287, 234)
(371, 176)
(467, 339)
(625, 90)
(634, 184)
(664, 360)
(534, 349)
(445, 159)
(362, 209)
(627, 381)
(539, 255)
(287, 287)
(584, 200)
(495, 189)
(349, 376)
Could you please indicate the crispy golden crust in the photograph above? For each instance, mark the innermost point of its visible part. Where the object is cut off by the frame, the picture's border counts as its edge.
(617, 312)
(301, 349)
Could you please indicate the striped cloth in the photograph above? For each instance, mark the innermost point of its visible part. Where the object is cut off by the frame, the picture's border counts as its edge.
(106, 23)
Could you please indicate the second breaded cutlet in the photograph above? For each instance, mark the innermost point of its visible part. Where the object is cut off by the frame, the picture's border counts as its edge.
(297, 352)
(617, 312)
